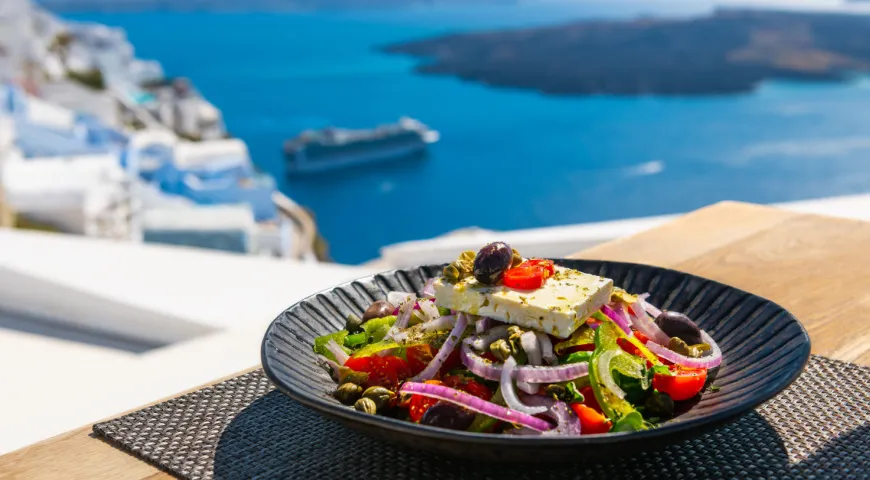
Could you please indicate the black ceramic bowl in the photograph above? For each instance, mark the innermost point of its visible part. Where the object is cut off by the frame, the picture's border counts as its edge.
(764, 347)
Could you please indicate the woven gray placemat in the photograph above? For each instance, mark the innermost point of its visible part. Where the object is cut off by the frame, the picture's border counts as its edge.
(243, 428)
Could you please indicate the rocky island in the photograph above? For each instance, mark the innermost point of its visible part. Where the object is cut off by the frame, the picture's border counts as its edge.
(729, 51)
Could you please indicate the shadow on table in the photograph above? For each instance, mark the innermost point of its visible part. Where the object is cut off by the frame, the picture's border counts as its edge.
(276, 437)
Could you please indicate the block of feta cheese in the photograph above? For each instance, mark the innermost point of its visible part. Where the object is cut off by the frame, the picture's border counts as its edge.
(559, 307)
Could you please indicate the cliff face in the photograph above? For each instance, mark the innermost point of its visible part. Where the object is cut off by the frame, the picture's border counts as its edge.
(727, 52)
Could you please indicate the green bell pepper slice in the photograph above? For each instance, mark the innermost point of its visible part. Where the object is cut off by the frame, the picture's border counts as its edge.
(623, 414)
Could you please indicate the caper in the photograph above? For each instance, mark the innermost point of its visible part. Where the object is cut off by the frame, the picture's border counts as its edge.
(461, 268)
(558, 392)
(353, 324)
(366, 405)
(501, 349)
(659, 404)
(451, 273)
(694, 351)
(491, 262)
(676, 324)
(514, 334)
(380, 395)
(346, 375)
(348, 393)
(378, 309)
(466, 261)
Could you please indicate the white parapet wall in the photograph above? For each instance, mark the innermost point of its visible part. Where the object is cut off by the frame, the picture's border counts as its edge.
(149, 293)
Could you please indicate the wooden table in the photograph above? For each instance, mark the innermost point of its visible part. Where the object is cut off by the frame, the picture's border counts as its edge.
(816, 267)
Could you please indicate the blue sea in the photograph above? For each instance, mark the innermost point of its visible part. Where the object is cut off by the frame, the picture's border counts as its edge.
(507, 158)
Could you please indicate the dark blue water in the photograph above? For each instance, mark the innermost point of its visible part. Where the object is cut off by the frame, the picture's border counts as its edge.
(507, 159)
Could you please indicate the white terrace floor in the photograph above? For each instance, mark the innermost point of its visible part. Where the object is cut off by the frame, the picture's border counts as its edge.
(90, 328)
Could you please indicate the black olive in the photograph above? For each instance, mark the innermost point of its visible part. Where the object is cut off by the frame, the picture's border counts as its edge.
(491, 262)
(660, 405)
(353, 324)
(678, 325)
(447, 415)
(379, 309)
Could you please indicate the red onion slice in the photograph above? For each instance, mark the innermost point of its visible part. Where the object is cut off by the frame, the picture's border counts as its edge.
(475, 404)
(567, 422)
(429, 288)
(340, 355)
(440, 323)
(647, 326)
(707, 361)
(529, 342)
(492, 371)
(428, 308)
(444, 352)
(652, 310)
(406, 308)
(484, 324)
(530, 388)
(618, 317)
(481, 342)
(397, 298)
(332, 366)
(506, 383)
(546, 348)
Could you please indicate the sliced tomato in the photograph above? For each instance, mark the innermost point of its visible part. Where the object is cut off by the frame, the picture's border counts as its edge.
(398, 366)
(525, 278)
(530, 274)
(419, 404)
(682, 384)
(589, 399)
(419, 357)
(548, 265)
(452, 361)
(591, 421)
(359, 364)
(383, 371)
(468, 385)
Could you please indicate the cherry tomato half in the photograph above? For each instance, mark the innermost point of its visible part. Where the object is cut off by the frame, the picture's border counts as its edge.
(419, 357)
(589, 399)
(539, 262)
(682, 384)
(384, 372)
(525, 278)
(419, 404)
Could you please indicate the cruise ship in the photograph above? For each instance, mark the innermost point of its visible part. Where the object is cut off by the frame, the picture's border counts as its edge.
(332, 148)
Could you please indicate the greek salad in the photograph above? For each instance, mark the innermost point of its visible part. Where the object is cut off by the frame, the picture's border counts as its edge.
(503, 344)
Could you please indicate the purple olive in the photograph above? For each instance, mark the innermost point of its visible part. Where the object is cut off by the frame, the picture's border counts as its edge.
(447, 415)
(491, 262)
(378, 309)
(676, 324)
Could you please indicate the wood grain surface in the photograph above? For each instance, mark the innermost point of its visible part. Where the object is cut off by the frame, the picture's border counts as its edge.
(816, 267)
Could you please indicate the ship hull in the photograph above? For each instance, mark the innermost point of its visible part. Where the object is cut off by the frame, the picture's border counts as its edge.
(297, 163)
